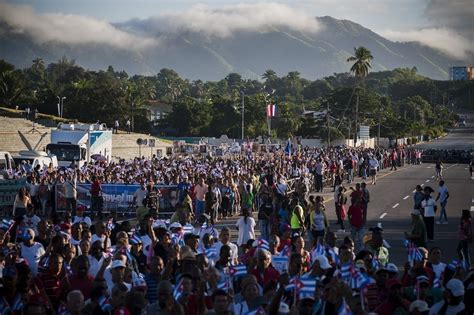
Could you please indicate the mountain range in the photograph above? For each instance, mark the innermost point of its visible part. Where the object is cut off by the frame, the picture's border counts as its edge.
(249, 53)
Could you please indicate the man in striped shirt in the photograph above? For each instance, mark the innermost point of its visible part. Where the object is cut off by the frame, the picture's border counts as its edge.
(51, 280)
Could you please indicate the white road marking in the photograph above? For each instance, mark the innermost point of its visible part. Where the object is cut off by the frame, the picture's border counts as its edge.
(428, 167)
(472, 208)
(414, 190)
(427, 181)
(395, 205)
(385, 213)
(432, 176)
(472, 200)
(422, 185)
(406, 197)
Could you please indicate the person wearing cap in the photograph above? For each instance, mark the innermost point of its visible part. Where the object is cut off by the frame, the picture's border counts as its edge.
(419, 307)
(297, 217)
(31, 251)
(423, 290)
(138, 256)
(376, 245)
(320, 267)
(418, 229)
(394, 303)
(452, 303)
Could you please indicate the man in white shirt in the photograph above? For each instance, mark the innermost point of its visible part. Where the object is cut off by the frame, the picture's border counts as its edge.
(100, 230)
(443, 195)
(139, 195)
(70, 192)
(80, 217)
(31, 251)
(224, 239)
(96, 258)
(373, 167)
(428, 204)
(30, 219)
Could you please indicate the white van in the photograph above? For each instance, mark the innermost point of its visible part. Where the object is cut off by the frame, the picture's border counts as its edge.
(6, 161)
(34, 158)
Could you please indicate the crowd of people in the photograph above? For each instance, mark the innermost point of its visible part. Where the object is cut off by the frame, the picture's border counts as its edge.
(85, 261)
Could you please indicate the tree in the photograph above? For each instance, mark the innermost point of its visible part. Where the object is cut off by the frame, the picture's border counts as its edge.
(360, 68)
(138, 92)
(361, 62)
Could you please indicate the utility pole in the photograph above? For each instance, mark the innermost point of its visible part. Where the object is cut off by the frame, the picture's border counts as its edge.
(356, 120)
(327, 120)
(242, 95)
(378, 128)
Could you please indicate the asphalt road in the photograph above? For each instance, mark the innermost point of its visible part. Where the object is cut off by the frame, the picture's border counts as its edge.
(392, 202)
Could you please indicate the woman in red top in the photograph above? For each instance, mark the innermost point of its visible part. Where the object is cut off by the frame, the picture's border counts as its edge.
(465, 235)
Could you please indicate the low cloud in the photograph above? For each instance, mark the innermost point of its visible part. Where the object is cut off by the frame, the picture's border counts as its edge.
(69, 29)
(223, 22)
(443, 39)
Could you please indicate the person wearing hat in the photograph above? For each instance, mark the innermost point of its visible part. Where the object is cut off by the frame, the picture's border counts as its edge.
(394, 303)
(419, 307)
(320, 267)
(452, 303)
(418, 229)
(376, 245)
(423, 290)
(31, 251)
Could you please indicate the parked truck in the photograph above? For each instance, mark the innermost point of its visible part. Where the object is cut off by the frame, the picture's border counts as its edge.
(74, 144)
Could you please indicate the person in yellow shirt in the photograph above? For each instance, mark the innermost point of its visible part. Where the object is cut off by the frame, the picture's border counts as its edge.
(297, 218)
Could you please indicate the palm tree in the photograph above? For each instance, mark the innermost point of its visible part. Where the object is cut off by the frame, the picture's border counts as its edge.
(362, 58)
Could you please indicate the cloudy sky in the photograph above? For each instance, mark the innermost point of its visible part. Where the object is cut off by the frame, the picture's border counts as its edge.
(443, 24)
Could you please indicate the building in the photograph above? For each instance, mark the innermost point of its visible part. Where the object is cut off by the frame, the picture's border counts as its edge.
(158, 110)
(461, 73)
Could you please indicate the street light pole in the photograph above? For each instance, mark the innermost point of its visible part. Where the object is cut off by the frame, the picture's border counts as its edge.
(242, 95)
(62, 105)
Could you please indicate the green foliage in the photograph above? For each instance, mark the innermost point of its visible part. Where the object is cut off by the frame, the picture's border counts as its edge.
(402, 101)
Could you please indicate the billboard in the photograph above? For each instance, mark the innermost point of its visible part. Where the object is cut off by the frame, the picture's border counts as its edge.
(8, 190)
(118, 197)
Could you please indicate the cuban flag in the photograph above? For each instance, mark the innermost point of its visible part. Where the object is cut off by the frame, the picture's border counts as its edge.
(334, 257)
(17, 304)
(135, 240)
(437, 283)
(358, 280)
(263, 244)
(188, 229)
(294, 285)
(238, 271)
(346, 271)
(458, 263)
(280, 263)
(178, 289)
(223, 285)
(375, 263)
(104, 304)
(288, 148)
(286, 251)
(307, 288)
(211, 253)
(7, 224)
(344, 309)
(110, 224)
(271, 110)
(318, 250)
